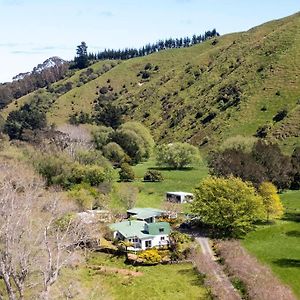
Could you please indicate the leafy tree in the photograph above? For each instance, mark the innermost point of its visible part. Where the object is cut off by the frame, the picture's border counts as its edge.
(278, 167)
(113, 152)
(144, 133)
(239, 142)
(237, 163)
(101, 136)
(265, 162)
(177, 155)
(228, 205)
(295, 160)
(126, 172)
(271, 200)
(131, 143)
(81, 59)
(27, 118)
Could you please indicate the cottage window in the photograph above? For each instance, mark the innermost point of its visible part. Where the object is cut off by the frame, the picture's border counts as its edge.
(162, 238)
(148, 244)
(161, 229)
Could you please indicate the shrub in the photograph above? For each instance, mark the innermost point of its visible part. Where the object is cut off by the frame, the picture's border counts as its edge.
(91, 157)
(85, 196)
(104, 90)
(209, 117)
(148, 66)
(280, 115)
(60, 170)
(51, 166)
(145, 74)
(180, 238)
(126, 172)
(263, 131)
(153, 176)
(150, 257)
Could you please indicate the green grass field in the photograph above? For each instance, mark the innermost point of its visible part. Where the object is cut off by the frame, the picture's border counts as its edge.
(279, 245)
(179, 281)
(152, 194)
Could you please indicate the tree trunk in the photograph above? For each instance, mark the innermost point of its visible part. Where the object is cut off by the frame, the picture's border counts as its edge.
(9, 289)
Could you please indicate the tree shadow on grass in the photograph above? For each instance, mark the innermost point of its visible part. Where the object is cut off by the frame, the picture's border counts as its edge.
(198, 278)
(170, 169)
(293, 233)
(290, 216)
(287, 263)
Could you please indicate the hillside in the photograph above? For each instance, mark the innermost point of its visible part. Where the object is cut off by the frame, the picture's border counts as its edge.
(205, 93)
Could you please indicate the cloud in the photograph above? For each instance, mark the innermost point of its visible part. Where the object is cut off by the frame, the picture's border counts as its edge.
(186, 22)
(183, 1)
(8, 45)
(26, 52)
(12, 2)
(14, 45)
(106, 14)
(36, 49)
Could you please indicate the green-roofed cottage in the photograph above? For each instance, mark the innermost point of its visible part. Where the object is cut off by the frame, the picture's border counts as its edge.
(143, 235)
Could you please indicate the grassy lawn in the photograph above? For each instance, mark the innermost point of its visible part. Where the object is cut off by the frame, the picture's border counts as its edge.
(152, 194)
(179, 281)
(279, 245)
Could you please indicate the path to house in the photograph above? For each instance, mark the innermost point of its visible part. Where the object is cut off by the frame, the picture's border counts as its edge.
(217, 271)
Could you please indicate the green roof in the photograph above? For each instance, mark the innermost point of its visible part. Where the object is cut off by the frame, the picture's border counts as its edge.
(145, 213)
(159, 228)
(130, 228)
(140, 229)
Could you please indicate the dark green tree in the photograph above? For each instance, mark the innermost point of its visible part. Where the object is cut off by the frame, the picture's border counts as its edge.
(296, 169)
(81, 59)
(27, 118)
(109, 115)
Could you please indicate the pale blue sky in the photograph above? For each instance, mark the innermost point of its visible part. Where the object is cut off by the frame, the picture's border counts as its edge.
(33, 30)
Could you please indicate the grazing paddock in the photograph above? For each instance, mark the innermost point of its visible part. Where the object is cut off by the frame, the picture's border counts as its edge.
(278, 245)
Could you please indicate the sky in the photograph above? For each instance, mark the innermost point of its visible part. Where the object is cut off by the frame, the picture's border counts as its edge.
(34, 30)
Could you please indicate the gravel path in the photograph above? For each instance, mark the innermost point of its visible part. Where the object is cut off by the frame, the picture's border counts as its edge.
(216, 271)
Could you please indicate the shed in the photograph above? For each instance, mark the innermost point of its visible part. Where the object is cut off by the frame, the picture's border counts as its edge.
(179, 197)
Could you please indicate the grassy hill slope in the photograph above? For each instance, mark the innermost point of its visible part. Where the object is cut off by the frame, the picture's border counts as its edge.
(205, 93)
